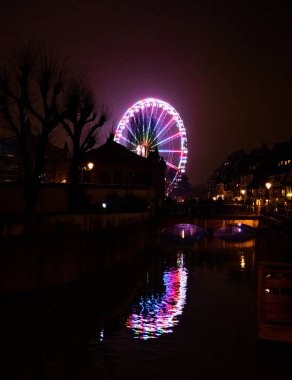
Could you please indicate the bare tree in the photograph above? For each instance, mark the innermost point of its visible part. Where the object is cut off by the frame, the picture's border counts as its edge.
(37, 95)
(47, 106)
(83, 121)
(31, 88)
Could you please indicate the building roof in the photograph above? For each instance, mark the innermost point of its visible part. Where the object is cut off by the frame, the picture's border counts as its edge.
(230, 167)
(115, 153)
(282, 150)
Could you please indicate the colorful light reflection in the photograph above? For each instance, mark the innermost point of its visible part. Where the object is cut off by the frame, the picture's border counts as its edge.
(156, 315)
(184, 232)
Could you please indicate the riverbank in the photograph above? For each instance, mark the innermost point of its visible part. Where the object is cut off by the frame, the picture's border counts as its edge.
(46, 223)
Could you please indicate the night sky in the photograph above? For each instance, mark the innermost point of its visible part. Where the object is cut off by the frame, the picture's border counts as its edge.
(224, 65)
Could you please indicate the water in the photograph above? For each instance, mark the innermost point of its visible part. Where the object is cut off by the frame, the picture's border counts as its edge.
(193, 317)
(182, 312)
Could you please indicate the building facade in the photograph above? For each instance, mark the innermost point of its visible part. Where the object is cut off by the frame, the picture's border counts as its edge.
(261, 177)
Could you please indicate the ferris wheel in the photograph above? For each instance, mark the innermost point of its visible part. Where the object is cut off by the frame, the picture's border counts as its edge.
(152, 124)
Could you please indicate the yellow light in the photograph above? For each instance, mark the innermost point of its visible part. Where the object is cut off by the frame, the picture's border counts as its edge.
(90, 165)
(242, 191)
(268, 185)
(242, 262)
(289, 195)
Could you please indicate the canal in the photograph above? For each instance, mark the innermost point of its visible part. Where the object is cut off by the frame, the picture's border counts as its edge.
(179, 310)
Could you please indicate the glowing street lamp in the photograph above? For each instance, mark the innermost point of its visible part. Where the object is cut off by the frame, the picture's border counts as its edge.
(242, 192)
(268, 186)
(86, 172)
(90, 165)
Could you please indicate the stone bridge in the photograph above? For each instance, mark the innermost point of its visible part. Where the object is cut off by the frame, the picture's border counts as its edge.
(208, 223)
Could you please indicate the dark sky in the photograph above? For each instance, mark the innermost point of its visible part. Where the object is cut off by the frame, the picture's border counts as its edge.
(224, 65)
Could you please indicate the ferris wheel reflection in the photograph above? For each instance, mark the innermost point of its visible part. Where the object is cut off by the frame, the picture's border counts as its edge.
(155, 315)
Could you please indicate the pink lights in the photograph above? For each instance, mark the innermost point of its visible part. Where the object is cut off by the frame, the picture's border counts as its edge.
(154, 124)
(156, 315)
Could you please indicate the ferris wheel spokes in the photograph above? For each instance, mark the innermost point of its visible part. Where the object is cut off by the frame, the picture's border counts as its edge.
(128, 141)
(169, 151)
(129, 129)
(172, 166)
(149, 123)
(173, 137)
(152, 123)
(164, 130)
(159, 119)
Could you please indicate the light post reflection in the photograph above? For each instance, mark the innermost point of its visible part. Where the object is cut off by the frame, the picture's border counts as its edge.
(242, 262)
(155, 315)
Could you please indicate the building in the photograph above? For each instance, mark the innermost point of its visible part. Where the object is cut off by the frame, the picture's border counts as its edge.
(260, 177)
(222, 183)
(248, 182)
(112, 173)
(11, 168)
(277, 171)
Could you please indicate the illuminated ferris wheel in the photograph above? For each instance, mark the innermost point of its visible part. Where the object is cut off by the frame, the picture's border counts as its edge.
(152, 124)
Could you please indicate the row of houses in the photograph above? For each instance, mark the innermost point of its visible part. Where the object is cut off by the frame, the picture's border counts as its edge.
(259, 177)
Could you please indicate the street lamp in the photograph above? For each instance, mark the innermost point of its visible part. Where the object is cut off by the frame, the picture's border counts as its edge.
(242, 191)
(90, 165)
(268, 186)
(87, 172)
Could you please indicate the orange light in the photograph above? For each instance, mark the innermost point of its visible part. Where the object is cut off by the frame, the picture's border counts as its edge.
(90, 165)
(268, 185)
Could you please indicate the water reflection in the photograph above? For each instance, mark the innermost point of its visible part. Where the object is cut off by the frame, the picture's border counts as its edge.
(155, 315)
(184, 232)
(235, 233)
(242, 262)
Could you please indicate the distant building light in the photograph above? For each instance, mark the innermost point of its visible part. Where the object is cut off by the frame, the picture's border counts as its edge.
(103, 205)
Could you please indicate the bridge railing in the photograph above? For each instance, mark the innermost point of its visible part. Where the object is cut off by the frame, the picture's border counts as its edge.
(277, 212)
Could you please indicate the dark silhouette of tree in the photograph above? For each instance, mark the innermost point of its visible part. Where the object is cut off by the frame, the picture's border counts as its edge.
(30, 84)
(83, 121)
(15, 77)
(37, 95)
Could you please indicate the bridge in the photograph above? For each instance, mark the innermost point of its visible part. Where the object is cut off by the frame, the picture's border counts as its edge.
(204, 214)
(207, 215)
